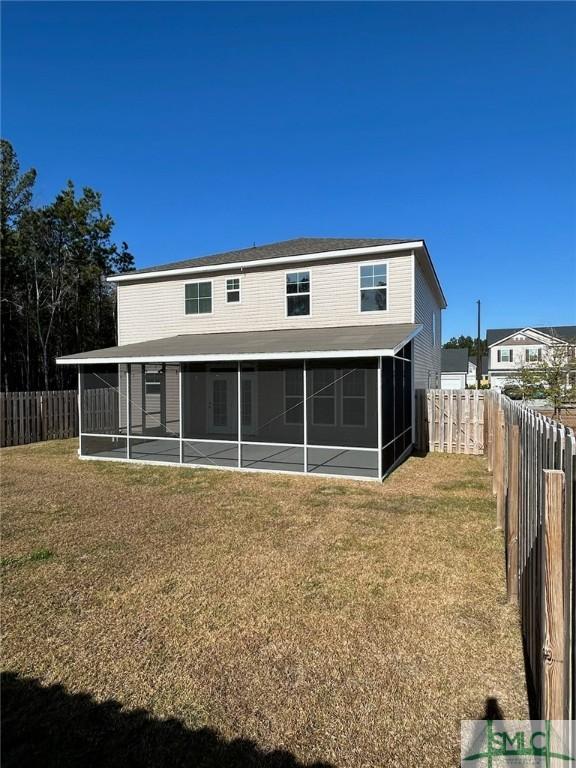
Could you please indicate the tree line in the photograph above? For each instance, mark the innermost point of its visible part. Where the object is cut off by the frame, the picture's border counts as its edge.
(55, 299)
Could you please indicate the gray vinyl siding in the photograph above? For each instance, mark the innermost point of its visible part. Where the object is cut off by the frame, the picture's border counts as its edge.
(427, 356)
(154, 309)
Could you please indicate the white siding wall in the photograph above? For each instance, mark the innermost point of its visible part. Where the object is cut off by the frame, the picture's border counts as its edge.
(427, 362)
(155, 309)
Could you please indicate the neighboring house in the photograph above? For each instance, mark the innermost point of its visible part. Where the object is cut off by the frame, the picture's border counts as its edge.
(511, 348)
(471, 380)
(454, 368)
(299, 356)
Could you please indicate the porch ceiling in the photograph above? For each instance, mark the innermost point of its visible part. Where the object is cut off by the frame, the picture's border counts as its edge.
(350, 341)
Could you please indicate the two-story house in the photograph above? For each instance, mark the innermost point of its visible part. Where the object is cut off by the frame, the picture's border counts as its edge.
(512, 348)
(299, 356)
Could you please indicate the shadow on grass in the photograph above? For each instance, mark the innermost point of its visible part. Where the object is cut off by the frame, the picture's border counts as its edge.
(47, 726)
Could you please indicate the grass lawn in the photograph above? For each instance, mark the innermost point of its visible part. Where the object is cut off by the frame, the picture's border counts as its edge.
(156, 616)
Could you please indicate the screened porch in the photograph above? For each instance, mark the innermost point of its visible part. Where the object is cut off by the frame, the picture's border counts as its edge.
(339, 416)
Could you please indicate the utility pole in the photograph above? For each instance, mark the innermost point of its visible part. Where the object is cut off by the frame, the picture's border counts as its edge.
(478, 353)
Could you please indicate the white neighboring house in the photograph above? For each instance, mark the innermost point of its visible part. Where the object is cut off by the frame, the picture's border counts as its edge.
(511, 348)
(454, 368)
(471, 379)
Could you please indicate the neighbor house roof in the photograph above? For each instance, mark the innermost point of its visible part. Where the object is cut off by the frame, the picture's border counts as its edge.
(564, 332)
(350, 341)
(454, 361)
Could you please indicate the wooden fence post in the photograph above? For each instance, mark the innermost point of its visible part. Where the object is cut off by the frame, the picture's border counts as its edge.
(499, 469)
(512, 512)
(553, 647)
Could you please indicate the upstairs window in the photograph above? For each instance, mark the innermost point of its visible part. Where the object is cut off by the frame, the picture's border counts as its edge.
(297, 294)
(533, 355)
(505, 356)
(198, 299)
(233, 290)
(373, 288)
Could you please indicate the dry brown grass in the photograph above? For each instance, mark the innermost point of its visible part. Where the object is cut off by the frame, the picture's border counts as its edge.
(336, 620)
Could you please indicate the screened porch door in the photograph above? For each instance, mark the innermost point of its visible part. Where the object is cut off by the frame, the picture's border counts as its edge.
(222, 396)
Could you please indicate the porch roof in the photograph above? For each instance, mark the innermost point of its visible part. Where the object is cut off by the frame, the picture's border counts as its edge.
(350, 341)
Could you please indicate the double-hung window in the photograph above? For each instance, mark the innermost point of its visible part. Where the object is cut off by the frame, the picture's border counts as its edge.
(297, 294)
(354, 398)
(505, 356)
(293, 396)
(198, 298)
(153, 380)
(373, 287)
(533, 355)
(323, 397)
(233, 290)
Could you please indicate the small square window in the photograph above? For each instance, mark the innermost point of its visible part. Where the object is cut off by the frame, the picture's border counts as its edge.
(233, 290)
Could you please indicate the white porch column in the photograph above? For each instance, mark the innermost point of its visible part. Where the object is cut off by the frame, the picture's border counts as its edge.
(239, 396)
(379, 412)
(79, 410)
(305, 416)
(128, 402)
(180, 412)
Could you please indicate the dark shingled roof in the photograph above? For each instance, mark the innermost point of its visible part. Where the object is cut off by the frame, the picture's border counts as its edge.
(298, 247)
(454, 361)
(564, 332)
(338, 340)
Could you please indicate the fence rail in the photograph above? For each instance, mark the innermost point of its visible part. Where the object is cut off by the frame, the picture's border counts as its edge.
(30, 417)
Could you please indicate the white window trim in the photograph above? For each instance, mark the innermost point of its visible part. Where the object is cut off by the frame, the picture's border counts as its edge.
(376, 263)
(227, 290)
(200, 314)
(434, 329)
(286, 294)
(353, 397)
(511, 355)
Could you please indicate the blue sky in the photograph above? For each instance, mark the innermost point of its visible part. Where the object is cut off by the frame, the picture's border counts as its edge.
(209, 127)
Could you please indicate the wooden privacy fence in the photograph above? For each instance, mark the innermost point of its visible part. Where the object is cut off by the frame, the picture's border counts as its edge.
(30, 417)
(533, 464)
(450, 420)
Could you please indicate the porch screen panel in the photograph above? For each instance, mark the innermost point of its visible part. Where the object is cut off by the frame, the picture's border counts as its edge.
(398, 407)
(103, 447)
(150, 449)
(342, 403)
(209, 402)
(103, 399)
(272, 413)
(388, 413)
(342, 412)
(154, 400)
